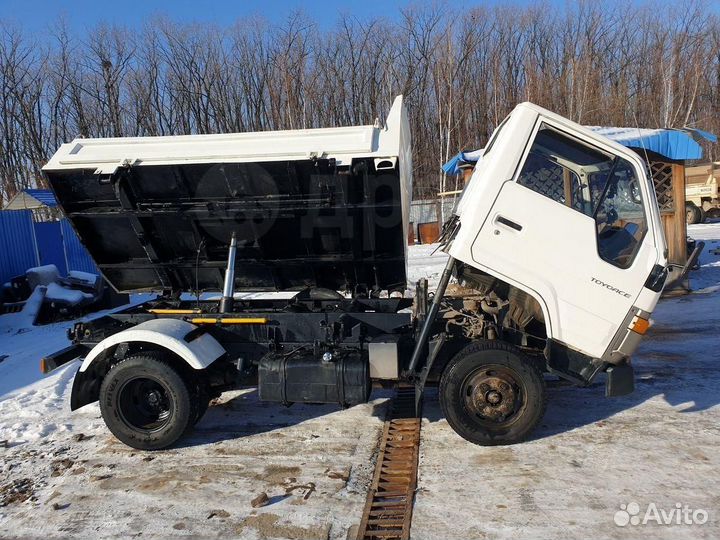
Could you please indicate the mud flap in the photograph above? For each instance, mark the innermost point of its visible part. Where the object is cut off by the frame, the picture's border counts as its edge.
(620, 380)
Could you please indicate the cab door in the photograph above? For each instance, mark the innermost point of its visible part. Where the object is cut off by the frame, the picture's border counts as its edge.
(572, 227)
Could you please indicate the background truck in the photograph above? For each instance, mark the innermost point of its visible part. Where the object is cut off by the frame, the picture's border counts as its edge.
(556, 250)
(701, 192)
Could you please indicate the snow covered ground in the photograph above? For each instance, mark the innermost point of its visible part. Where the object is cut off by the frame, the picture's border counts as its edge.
(709, 273)
(63, 475)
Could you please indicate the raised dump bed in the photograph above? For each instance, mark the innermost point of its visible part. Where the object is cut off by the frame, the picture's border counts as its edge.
(310, 208)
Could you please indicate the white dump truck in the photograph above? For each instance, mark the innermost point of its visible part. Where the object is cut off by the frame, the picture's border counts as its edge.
(556, 261)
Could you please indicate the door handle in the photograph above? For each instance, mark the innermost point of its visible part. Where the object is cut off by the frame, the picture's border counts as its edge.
(508, 223)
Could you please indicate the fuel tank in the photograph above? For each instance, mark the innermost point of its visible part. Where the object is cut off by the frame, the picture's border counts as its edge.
(310, 208)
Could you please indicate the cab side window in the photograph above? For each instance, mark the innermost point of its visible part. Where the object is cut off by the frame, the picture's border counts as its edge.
(565, 170)
(598, 184)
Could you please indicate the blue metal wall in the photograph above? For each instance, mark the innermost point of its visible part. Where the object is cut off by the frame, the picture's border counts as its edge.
(20, 239)
(17, 244)
(78, 257)
(50, 246)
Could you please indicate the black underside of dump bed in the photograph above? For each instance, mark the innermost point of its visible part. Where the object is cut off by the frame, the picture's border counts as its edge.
(299, 224)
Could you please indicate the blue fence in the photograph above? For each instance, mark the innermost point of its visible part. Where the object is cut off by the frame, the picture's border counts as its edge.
(17, 244)
(50, 245)
(77, 256)
(24, 244)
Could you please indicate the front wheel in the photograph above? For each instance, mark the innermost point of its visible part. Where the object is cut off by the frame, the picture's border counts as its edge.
(492, 394)
(146, 403)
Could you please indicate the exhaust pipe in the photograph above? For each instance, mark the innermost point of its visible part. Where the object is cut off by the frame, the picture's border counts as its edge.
(227, 301)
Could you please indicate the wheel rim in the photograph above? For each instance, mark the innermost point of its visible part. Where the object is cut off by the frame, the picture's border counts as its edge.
(144, 404)
(689, 215)
(493, 396)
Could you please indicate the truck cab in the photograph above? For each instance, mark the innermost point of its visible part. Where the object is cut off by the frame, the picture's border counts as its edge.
(569, 218)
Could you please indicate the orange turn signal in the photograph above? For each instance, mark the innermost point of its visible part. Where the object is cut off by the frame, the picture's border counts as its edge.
(640, 325)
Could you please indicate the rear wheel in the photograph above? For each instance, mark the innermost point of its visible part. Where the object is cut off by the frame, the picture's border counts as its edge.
(492, 393)
(146, 403)
(692, 213)
(703, 215)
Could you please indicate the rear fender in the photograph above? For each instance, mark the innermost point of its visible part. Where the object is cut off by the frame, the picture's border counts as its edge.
(197, 350)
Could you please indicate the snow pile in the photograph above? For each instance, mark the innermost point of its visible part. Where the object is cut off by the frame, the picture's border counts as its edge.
(23, 345)
(65, 297)
(42, 275)
(57, 294)
(37, 411)
(707, 277)
(22, 321)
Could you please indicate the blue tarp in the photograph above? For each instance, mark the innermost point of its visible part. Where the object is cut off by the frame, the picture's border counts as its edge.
(702, 133)
(674, 144)
(455, 164)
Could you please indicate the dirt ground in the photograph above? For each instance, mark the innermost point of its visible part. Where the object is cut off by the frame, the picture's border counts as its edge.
(592, 454)
(313, 462)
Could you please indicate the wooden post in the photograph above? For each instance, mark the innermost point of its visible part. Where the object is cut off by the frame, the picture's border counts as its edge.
(675, 226)
(467, 174)
(678, 174)
(669, 180)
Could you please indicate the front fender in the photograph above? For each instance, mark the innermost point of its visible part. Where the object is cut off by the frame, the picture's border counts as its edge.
(198, 350)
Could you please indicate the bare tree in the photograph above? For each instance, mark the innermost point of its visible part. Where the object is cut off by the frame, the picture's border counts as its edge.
(461, 73)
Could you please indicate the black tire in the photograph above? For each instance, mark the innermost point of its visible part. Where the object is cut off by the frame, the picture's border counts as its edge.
(146, 403)
(703, 215)
(492, 394)
(692, 213)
